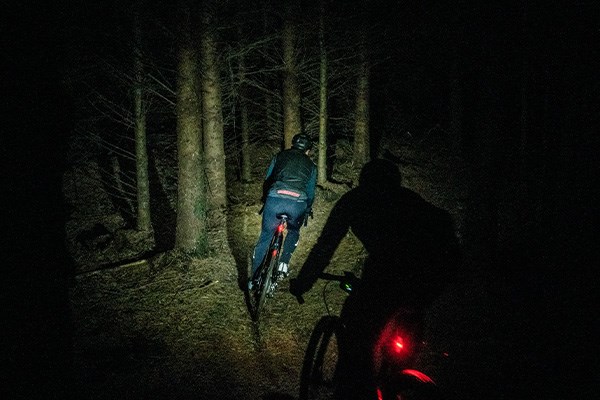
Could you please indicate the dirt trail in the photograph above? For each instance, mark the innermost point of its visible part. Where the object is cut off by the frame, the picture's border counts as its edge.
(180, 329)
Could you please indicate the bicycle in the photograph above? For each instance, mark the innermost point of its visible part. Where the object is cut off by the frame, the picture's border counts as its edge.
(393, 356)
(267, 275)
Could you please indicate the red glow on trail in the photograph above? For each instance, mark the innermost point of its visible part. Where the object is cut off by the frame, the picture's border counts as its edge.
(274, 253)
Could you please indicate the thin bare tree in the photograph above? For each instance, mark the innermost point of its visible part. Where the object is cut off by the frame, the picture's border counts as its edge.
(144, 222)
(212, 113)
(292, 123)
(322, 148)
(361, 122)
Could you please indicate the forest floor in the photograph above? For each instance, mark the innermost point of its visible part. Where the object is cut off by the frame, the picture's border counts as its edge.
(172, 327)
(176, 328)
(179, 328)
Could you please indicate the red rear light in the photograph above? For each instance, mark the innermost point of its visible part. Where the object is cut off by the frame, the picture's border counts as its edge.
(280, 228)
(398, 344)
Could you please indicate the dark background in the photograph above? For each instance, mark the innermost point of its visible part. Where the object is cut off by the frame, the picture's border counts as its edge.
(37, 119)
(36, 333)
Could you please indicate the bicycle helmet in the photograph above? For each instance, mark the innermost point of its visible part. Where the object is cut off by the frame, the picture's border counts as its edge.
(302, 142)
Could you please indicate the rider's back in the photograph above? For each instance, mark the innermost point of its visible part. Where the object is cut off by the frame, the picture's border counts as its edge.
(407, 239)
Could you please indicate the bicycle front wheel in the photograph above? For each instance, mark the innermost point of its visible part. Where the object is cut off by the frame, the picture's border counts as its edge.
(410, 385)
(318, 377)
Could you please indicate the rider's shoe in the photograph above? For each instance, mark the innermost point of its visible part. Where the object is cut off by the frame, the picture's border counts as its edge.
(283, 269)
(250, 284)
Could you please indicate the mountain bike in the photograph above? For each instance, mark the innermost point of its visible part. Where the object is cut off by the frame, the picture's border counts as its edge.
(393, 355)
(267, 275)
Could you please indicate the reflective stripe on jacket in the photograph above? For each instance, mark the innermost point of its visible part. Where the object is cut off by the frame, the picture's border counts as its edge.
(292, 174)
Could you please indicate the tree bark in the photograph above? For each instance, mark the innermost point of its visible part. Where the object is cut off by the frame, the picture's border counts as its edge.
(322, 148)
(361, 124)
(272, 113)
(291, 92)
(144, 222)
(214, 146)
(191, 201)
(213, 118)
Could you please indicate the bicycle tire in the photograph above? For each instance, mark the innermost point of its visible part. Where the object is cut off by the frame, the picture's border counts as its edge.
(406, 386)
(267, 275)
(264, 287)
(318, 376)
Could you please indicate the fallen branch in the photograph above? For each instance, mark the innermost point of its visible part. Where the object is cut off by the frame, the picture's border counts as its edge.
(119, 265)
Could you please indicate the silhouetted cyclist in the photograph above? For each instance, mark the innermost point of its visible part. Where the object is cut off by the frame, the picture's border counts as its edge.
(412, 254)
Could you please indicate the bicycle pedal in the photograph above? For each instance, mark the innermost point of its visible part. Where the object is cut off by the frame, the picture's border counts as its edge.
(282, 274)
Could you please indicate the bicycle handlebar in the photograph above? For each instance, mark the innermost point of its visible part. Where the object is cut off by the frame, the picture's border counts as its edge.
(346, 282)
(337, 278)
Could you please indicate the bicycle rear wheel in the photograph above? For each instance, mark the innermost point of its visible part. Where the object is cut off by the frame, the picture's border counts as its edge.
(318, 377)
(263, 286)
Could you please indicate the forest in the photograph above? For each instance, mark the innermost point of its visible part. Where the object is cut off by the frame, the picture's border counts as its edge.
(138, 135)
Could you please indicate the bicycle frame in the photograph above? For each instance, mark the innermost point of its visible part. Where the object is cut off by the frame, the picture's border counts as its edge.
(267, 275)
(274, 252)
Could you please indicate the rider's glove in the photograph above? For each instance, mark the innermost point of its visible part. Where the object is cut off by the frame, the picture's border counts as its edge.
(308, 213)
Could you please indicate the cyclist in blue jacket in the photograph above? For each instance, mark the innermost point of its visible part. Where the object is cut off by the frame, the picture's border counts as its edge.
(289, 188)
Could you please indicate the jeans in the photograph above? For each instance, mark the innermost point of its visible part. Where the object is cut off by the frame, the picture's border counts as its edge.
(274, 206)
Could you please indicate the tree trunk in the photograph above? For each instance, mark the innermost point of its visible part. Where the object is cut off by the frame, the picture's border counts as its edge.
(322, 160)
(272, 111)
(144, 222)
(361, 125)
(291, 92)
(246, 167)
(213, 118)
(214, 146)
(246, 162)
(191, 200)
